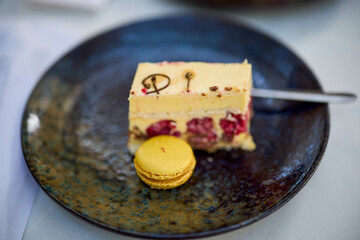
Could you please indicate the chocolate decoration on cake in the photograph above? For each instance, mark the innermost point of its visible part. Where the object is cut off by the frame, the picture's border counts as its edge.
(152, 77)
(188, 76)
(214, 88)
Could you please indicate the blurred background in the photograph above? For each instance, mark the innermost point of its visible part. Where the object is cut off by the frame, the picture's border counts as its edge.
(324, 33)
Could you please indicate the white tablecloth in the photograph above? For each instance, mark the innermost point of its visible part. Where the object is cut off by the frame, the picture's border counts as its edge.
(326, 34)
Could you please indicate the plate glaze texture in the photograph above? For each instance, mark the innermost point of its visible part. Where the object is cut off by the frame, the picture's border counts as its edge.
(74, 132)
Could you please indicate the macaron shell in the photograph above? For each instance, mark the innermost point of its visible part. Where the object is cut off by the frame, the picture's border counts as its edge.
(164, 156)
(161, 177)
(168, 183)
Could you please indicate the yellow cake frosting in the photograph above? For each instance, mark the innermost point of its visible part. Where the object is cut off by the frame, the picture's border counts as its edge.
(233, 82)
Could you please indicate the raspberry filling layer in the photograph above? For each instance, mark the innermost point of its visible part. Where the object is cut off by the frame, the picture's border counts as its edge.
(201, 133)
(163, 127)
(233, 124)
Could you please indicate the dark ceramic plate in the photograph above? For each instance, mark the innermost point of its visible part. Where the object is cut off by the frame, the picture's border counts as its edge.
(74, 132)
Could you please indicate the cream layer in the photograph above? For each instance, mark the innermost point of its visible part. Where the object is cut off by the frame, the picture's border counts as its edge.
(184, 114)
(188, 102)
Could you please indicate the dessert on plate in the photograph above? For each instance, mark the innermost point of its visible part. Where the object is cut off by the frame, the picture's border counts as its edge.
(206, 104)
(164, 162)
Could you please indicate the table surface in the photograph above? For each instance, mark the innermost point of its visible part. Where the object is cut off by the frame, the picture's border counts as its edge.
(325, 34)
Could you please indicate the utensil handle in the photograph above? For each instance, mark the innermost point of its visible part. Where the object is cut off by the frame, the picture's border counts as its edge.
(304, 95)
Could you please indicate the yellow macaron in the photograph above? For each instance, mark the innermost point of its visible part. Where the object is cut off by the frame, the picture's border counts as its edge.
(164, 162)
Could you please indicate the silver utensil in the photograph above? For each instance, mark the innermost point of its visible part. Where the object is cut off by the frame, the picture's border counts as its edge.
(304, 95)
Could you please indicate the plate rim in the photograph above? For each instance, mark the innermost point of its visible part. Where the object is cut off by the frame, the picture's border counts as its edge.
(181, 16)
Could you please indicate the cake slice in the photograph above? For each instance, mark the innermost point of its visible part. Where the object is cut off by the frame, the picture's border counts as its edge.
(206, 104)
